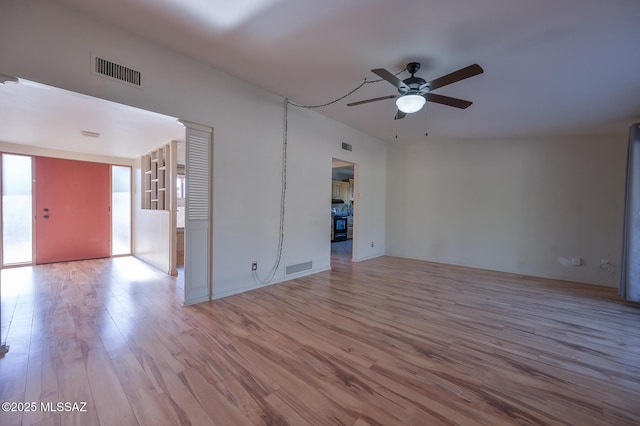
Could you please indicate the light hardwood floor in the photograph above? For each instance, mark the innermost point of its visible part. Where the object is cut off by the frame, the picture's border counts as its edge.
(382, 342)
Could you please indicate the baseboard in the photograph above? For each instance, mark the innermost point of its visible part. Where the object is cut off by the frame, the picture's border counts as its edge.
(150, 263)
(503, 271)
(362, 259)
(195, 301)
(278, 281)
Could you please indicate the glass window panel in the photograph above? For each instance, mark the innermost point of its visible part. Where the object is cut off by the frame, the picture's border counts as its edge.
(181, 191)
(120, 210)
(17, 209)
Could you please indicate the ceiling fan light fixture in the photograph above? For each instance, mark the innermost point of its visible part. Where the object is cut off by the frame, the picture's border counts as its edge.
(410, 103)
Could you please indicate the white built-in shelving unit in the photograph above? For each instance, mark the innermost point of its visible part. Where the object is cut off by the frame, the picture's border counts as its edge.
(156, 179)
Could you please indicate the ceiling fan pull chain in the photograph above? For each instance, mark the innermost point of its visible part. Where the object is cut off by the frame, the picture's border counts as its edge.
(396, 123)
(426, 117)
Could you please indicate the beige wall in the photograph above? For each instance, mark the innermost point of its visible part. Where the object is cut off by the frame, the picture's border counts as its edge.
(519, 205)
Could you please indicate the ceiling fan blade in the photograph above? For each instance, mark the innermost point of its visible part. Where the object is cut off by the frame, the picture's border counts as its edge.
(448, 100)
(381, 72)
(455, 76)
(400, 115)
(372, 100)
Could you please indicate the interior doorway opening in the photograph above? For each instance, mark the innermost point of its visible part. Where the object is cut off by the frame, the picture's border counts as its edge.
(181, 202)
(344, 211)
(125, 134)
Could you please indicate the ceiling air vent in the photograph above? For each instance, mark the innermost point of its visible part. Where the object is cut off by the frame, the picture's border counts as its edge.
(347, 146)
(115, 71)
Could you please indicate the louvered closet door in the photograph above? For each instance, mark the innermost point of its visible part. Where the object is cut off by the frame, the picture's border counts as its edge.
(197, 232)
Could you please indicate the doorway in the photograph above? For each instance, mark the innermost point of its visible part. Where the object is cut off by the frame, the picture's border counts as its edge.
(181, 204)
(124, 132)
(344, 209)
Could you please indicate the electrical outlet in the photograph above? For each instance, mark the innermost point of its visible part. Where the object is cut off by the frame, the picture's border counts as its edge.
(607, 266)
(576, 261)
(254, 266)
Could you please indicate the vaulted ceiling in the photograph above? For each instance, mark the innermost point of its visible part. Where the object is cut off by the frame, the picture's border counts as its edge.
(551, 67)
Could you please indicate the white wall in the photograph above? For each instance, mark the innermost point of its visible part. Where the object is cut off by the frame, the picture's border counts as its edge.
(247, 193)
(525, 206)
(51, 44)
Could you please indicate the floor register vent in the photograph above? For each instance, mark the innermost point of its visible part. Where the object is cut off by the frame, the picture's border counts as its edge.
(294, 269)
(115, 71)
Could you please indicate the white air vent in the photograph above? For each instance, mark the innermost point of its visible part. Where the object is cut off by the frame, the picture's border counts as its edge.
(294, 269)
(116, 71)
(90, 134)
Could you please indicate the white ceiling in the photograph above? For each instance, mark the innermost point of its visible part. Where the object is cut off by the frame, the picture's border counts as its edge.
(551, 67)
(36, 114)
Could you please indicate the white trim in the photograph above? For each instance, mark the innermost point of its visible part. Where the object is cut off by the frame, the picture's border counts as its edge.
(198, 223)
(196, 301)
(196, 126)
(282, 280)
(362, 259)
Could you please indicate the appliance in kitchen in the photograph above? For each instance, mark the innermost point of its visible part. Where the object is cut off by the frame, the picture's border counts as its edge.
(339, 228)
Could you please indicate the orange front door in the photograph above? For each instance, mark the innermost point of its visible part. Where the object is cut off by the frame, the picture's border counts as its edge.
(73, 220)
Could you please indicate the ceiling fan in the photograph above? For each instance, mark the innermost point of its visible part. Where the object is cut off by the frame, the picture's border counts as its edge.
(415, 91)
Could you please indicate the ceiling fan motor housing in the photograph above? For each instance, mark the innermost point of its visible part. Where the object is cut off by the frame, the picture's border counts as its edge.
(416, 85)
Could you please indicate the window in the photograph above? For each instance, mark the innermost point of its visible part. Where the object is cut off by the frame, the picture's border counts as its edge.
(120, 210)
(181, 187)
(17, 209)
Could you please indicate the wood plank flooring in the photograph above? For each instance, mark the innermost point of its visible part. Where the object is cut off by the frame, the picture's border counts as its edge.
(383, 342)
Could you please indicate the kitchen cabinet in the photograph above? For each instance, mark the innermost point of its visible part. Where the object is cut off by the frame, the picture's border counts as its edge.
(335, 189)
(341, 190)
(349, 227)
